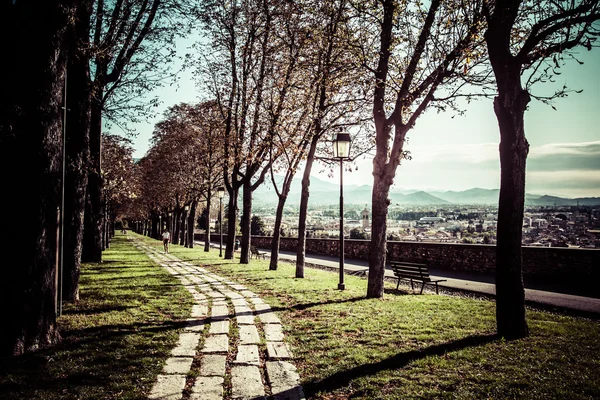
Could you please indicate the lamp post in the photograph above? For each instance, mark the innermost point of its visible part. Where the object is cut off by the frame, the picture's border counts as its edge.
(341, 150)
(220, 194)
(185, 223)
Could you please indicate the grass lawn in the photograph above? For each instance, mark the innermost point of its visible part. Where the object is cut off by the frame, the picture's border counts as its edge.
(115, 338)
(410, 346)
(405, 346)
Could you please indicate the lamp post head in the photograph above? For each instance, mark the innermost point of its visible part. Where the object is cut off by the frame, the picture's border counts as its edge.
(220, 192)
(341, 145)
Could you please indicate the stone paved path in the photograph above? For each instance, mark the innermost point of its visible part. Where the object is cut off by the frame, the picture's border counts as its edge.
(232, 338)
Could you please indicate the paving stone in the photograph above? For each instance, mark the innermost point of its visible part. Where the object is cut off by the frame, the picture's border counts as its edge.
(248, 354)
(195, 324)
(232, 295)
(239, 302)
(168, 387)
(245, 319)
(213, 365)
(243, 310)
(261, 307)
(278, 351)
(215, 295)
(247, 293)
(246, 382)
(221, 326)
(257, 300)
(219, 303)
(268, 318)
(199, 310)
(284, 381)
(216, 344)
(248, 334)
(219, 313)
(188, 341)
(239, 287)
(207, 388)
(178, 365)
(273, 332)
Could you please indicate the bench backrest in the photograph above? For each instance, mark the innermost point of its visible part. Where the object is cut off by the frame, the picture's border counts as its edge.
(253, 250)
(410, 270)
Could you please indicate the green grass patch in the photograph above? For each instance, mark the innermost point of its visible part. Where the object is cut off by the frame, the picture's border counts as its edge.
(114, 340)
(411, 346)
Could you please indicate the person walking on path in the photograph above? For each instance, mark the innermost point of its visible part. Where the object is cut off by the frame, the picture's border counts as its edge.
(166, 240)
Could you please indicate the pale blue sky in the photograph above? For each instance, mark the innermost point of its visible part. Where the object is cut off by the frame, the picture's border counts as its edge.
(462, 152)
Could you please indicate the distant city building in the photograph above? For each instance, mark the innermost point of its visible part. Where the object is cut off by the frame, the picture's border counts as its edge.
(365, 219)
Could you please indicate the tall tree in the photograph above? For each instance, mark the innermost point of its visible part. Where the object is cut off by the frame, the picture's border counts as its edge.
(335, 88)
(77, 151)
(423, 48)
(529, 39)
(131, 45)
(247, 43)
(33, 36)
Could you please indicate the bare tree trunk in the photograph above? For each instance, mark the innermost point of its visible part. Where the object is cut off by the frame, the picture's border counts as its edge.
(275, 242)
(182, 228)
(301, 251)
(509, 106)
(377, 256)
(77, 151)
(93, 218)
(231, 219)
(510, 292)
(207, 235)
(192, 223)
(245, 223)
(32, 37)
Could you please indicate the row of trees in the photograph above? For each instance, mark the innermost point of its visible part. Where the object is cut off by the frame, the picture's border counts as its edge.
(75, 64)
(401, 57)
(278, 77)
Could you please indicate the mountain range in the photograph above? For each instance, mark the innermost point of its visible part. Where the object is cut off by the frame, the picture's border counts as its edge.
(327, 193)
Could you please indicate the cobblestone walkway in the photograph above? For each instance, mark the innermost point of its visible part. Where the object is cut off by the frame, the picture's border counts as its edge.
(233, 339)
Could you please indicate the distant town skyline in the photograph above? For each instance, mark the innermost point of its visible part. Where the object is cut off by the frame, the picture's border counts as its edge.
(461, 152)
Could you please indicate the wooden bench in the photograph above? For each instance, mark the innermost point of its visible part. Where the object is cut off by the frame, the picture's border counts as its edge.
(413, 272)
(256, 254)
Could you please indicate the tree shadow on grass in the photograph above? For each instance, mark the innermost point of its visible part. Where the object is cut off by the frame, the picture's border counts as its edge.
(343, 378)
(89, 362)
(96, 310)
(304, 306)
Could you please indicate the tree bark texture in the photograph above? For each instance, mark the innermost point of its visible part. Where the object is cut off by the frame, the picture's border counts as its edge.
(510, 292)
(231, 217)
(77, 150)
(191, 224)
(509, 106)
(378, 244)
(32, 37)
(207, 235)
(94, 215)
(285, 190)
(304, 196)
(245, 222)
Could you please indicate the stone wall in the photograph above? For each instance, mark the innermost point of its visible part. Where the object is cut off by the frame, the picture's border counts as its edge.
(551, 265)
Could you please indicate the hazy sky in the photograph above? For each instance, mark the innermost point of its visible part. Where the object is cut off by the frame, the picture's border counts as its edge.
(462, 152)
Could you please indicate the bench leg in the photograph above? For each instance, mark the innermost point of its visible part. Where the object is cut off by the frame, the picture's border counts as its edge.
(412, 285)
(422, 286)
(436, 288)
(398, 284)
